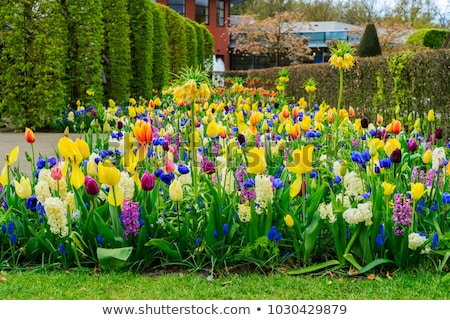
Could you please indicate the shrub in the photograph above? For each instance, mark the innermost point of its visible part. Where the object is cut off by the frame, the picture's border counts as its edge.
(369, 45)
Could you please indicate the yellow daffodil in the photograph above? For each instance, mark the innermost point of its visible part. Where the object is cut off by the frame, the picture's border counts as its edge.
(302, 164)
(289, 221)
(23, 188)
(10, 159)
(306, 122)
(256, 161)
(388, 188)
(427, 156)
(391, 145)
(175, 191)
(72, 156)
(110, 175)
(417, 190)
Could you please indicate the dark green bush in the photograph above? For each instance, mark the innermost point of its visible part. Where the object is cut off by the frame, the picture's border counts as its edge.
(369, 45)
(160, 69)
(434, 38)
(141, 40)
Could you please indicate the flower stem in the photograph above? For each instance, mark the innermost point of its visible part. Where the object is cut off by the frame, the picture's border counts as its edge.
(341, 88)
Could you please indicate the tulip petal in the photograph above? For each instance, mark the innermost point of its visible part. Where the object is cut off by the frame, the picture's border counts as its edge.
(77, 177)
(13, 155)
(115, 196)
(296, 186)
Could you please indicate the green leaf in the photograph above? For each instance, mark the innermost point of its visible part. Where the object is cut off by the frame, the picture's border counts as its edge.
(350, 258)
(314, 267)
(445, 278)
(165, 246)
(312, 233)
(113, 259)
(373, 264)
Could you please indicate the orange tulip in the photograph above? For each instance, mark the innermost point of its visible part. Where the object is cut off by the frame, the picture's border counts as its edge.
(396, 126)
(351, 112)
(143, 132)
(29, 135)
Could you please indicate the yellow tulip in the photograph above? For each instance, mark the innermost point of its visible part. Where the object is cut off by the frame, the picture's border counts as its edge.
(289, 221)
(256, 161)
(448, 168)
(10, 158)
(92, 168)
(430, 116)
(391, 145)
(306, 122)
(175, 191)
(72, 155)
(417, 190)
(427, 156)
(302, 164)
(388, 188)
(213, 130)
(83, 147)
(110, 175)
(23, 188)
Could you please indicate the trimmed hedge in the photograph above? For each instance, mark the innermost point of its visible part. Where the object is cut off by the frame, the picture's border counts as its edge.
(385, 85)
(432, 38)
(53, 54)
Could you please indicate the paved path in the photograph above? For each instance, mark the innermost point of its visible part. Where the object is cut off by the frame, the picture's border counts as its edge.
(45, 144)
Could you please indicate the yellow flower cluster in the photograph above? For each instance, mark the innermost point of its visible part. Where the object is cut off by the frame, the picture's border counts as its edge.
(343, 62)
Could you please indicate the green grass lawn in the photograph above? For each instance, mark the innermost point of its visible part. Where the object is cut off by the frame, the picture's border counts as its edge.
(83, 285)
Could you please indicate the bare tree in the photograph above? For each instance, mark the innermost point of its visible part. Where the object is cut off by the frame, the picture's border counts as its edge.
(273, 37)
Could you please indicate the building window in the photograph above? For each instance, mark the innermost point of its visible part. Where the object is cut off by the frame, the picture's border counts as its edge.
(202, 11)
(177, 5)
(220, 13)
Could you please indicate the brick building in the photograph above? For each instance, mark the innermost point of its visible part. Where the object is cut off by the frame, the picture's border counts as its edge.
(214, 14)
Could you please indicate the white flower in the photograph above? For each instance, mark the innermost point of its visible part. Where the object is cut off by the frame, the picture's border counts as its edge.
(326, 211)
(55, 210)
(126, 185)
(354, 185)
(244, 212)
(228, 180)
(437, 156)
(263, 191)
(42, 190)
(185, 179)
(337, 168)
(363, 213)
(415, 240)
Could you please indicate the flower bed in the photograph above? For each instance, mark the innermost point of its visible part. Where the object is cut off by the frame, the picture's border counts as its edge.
(217, 177)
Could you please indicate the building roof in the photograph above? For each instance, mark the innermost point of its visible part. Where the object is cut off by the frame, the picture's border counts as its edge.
(236, 1)
(325, 26)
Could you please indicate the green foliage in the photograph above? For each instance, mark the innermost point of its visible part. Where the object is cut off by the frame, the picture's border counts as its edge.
(369, 45)
(176, 31)
(200, 44)
(32, 62)
(401, 91)
(85, 36)
(432, 38)
(160, 69)
(142, 40)
(116, 52)
(191, 44)
(208, 51)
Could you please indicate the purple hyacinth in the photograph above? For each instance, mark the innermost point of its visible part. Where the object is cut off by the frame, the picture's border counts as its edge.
(130, 217)
(402, 213)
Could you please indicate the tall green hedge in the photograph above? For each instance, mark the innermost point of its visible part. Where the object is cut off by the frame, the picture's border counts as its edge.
(176, 31)
(32, 62)
(85, 36)
(161, 69)
(116, 53)
(191, 44)
(208, 48)
(54, 53)
(142, 43)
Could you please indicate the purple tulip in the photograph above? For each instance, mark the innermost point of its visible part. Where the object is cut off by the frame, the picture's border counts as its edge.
(412, 145)
(91, 186)
(147, 181)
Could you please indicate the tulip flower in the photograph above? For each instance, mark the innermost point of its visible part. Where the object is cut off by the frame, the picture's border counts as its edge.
(144, 135)
(175, 191)
(110, 175)
(10, 159)
(388, 188)
(289, 221)
(256, 161)
(91, 186)
(412, 145)
(23, 188)
(147, 181)
(213, 130)
(72, 155)
(56, 173)
(430, 116)
(302, 164)
(83, 147)
(396, 126)
(427, 156)
(417, 190)
(29, 135)
(391, 145)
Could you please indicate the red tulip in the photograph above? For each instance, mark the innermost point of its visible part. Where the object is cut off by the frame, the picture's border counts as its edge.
(29, 135)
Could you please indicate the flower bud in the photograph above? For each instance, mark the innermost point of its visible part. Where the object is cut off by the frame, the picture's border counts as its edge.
(412, 145)
(364, 123)
(438, 133)
(91, 186)
(56, 173)
(147, 181)
(396, 156)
